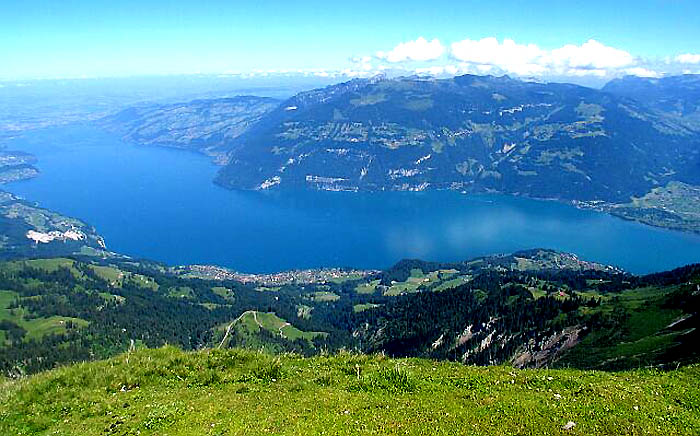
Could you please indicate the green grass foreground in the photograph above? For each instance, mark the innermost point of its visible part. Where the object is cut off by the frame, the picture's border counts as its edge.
(231, 392)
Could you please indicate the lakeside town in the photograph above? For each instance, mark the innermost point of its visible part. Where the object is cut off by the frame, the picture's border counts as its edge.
(318, 275)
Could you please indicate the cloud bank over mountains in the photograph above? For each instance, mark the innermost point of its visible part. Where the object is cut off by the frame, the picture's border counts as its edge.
(489, 55)
(590, 62)
(591, 57)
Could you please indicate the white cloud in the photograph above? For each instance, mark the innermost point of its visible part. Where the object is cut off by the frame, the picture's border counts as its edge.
(642, 72)
(362, 62)
(591, 54)
(590, 62)
(588, 59)
(508, 56)
(484, 68)
(688, 58)
(418, 50)
(360, 59)
(437, 70)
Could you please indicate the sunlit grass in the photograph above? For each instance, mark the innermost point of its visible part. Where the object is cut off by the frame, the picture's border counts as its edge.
(166, 391)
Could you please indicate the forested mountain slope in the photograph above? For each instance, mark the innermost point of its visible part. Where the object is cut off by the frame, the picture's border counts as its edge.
(470, 133)
(532, 309)
(675, 96)
(631, 149)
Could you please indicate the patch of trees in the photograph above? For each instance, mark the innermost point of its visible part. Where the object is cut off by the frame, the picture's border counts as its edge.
(678, 276)
(492, 302)
(13, 332)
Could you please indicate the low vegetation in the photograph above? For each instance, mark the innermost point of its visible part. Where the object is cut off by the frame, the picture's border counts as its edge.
(231, 392)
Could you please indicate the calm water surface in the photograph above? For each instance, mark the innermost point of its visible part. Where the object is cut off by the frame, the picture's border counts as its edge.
(161, 204)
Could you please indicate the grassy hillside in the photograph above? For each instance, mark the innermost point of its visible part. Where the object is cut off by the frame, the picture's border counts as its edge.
(167, 391)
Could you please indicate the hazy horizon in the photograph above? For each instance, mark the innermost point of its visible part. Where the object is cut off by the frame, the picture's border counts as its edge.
(586, 44)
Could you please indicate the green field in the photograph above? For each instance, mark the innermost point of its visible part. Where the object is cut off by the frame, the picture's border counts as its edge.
(324, 296)
(367, 288)
(347, 277)
(181, 292)
(235, 392)
(253, 321)
(112, 275)
(51, 265)
(48, 265)
(268, 288)
(364, 306)
(435, 280)
(223, 292)
(143, 281)
(36, 327)
(452, 283)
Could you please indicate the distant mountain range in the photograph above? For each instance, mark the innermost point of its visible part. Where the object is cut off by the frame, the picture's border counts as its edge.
(203, 125)
(468, 133)
(677, 96)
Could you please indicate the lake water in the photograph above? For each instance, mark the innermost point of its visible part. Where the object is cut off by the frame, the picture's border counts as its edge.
(161, 204)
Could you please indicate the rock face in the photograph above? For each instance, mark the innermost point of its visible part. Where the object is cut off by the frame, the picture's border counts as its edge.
(535, 355)
(469, 133)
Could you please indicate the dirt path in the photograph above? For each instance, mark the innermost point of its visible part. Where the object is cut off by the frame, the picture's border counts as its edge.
(230, 326)
(255, 317)
(281, 327)
(228, 330)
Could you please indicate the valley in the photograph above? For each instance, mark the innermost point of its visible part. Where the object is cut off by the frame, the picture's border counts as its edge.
(294, 323)
(75, 300)
(349, 218)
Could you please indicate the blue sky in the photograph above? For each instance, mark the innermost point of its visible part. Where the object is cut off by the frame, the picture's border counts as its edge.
(46, 39)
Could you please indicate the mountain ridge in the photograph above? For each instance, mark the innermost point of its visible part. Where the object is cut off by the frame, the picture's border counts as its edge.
(475, 133)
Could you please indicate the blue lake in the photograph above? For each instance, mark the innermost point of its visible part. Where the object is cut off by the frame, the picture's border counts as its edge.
(161, 204)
